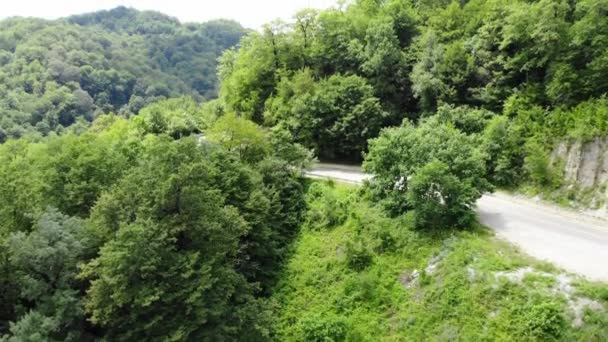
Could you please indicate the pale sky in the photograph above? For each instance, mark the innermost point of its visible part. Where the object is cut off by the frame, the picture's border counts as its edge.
(250, 13)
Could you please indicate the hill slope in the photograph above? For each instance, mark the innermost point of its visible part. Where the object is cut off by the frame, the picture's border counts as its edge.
(357, 275)
(53, 73)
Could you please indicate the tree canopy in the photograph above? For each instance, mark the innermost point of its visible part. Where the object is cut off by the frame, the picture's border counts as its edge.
(409, 58)
(144, 228)
(55, 74)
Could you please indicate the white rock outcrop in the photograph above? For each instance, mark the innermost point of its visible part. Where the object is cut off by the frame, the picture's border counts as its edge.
(585, 163)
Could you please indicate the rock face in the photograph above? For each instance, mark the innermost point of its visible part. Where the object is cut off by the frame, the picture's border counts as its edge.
(585, 163)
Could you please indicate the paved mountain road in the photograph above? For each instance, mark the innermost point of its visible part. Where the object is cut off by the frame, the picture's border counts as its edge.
(572, 241)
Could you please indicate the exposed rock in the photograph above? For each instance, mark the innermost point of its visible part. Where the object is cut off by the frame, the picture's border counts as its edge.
(434, 262)
(409, 279)
(515, 276)
(590, 163)
(602, 176)
(578, 306)
(563, 286)
(585, 163)
(573, 161)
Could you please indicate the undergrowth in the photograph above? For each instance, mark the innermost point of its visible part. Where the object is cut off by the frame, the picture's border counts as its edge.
(357, 275)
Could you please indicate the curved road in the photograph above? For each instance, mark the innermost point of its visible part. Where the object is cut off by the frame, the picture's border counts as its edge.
(572, 241)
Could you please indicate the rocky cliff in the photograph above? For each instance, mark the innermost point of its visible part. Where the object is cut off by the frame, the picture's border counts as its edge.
(586, 173)
(585, 163)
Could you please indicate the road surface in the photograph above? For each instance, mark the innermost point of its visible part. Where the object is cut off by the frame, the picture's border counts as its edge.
(572, 241)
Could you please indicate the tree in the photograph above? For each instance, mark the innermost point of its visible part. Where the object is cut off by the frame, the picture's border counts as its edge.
(168, 268)
(108, 61)
(240, 135)
(45, 262)
(338, 117)
(501, 142)
(440, 198)
(398, 155)
(177, 117)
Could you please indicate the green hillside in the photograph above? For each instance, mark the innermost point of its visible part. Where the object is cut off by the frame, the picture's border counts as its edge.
(152, 182)
(521, 75)
(54, 74)
(357, 275)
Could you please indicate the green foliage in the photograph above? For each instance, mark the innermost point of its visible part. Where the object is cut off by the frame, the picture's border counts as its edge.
(461, 60)
(501, 142)
(284, 147)
(586, 121)
(178, 117)
(177, 237)
(358, 256)
(324, 210)
(336, 116)
(240, 135)
(539, 167)
(544, 321)
(45, 262)
(177, 224)
(406, 161)
(55, 73)
(323, 328)
(462, 297)
(332, 78)
(440, 198)
(466, 119)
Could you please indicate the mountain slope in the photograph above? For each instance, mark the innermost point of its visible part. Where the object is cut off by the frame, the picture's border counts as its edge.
(54, 73)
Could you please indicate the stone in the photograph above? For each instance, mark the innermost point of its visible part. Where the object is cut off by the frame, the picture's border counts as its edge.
(590, 162)
(573, 161)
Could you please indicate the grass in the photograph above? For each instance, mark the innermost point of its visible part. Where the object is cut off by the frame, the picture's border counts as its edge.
(361, 276)
(568, 195)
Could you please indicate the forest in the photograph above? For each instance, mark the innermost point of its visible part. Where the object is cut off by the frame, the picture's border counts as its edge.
(63, 73)
(152, 172)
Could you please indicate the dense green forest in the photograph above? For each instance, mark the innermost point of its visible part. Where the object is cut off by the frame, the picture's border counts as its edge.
(334, 78)
(151, 191)
(128, 233)
(54, 74)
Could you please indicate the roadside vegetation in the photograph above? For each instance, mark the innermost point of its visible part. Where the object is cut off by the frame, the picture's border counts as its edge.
(524, 75)
(356, 274)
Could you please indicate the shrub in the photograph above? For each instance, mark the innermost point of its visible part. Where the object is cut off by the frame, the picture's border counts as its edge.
(440, 199)
(323, 328)
(501, 144)
(544, 321)
(358, 256)
(398, 157)
(539, 168)
(325, 209)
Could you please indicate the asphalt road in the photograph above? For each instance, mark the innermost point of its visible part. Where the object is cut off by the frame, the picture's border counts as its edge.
(570, 240)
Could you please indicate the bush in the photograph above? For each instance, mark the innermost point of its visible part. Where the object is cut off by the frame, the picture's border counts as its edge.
(501, 144)
(539, 168)
(325, 209)
(544, 321)
(468, 120)
(440, 199)
(398, 157)
(323, 328)
(358, 256)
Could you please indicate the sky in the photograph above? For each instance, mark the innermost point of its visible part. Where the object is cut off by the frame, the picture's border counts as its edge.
(250, 13)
